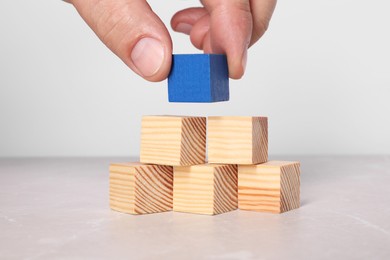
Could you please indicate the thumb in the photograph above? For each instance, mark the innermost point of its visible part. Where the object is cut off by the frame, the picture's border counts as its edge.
(133, 32)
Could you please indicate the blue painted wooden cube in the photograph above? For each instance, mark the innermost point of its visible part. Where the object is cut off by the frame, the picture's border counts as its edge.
(198, 78)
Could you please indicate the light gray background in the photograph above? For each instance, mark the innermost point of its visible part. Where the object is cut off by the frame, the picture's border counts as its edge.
(321, 74)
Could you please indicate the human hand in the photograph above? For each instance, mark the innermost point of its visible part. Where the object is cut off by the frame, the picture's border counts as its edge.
(226, 26)
(137, 35)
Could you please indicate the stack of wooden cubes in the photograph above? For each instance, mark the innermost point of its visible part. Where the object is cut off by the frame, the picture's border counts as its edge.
(173, 173)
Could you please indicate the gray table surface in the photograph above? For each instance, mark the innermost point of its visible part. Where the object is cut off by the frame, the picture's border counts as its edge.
(58, 209)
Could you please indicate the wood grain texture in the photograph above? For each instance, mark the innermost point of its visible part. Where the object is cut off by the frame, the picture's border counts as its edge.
(136, 188)
(173, 140)
(270, 187)
(237, 140)
(205, 189)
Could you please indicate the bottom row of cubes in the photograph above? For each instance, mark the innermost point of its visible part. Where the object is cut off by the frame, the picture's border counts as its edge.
(204, 189)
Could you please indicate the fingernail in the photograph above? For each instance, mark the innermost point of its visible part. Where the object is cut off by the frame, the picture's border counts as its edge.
(244, 59)
(184, 28)
(148, 56)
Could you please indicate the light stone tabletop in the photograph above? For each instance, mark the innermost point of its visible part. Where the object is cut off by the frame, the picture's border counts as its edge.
(58, 209)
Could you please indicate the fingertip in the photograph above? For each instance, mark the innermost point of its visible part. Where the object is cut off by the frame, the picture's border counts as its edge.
(235, 73)
(151, 59)
(189, 15)
(164, 70)
(237, 63)
(183, 28)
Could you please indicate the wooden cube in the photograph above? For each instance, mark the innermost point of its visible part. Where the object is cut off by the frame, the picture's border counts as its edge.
(137, 188)
(237, 139)
(198, 78)
(270, 187)
(173, 140)
(205, 189)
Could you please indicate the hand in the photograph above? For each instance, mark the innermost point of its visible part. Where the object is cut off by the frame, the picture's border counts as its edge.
(226, 26)
(137, 35)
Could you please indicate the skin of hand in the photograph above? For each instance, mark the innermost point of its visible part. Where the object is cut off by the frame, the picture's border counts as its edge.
(137, 35)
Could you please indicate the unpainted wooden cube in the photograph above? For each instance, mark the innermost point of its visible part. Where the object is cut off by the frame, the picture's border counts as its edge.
(137, 188)
(205, 189)
(237, 139)
(173, 140)
(269, 187)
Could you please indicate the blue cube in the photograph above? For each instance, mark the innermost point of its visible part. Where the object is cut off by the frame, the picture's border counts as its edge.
(198, 78)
